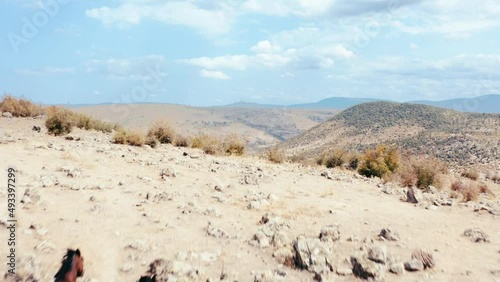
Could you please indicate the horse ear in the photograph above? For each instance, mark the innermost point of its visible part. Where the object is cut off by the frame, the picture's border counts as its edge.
(78, 252)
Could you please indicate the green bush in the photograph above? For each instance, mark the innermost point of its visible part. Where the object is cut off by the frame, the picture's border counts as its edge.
(379, 162)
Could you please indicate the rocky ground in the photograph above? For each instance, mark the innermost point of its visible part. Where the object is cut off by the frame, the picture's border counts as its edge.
(190, 217)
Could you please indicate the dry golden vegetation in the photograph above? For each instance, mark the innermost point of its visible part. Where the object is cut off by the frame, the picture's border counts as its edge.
(20, 107)
(61, 121)
(421, 172)
(162, 131)
(276, 155)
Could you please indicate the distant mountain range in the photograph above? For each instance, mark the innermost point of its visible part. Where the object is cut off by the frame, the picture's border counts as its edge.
(480, 104)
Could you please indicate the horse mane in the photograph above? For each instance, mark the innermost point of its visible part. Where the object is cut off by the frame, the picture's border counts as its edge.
(66, 262)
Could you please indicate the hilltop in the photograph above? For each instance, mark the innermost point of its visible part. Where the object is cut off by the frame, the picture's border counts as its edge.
(456, 137)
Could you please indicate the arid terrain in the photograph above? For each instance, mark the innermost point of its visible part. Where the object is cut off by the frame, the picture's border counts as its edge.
(229, 218)
(260, 127)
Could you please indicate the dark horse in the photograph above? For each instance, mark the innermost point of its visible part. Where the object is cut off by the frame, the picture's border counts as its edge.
(71, 268)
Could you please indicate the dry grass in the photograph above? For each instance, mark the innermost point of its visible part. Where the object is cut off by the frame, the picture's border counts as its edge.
(209, 144)
(234, 146)
(20, 107)
(133, 138)
(151, 141)
(421, 172)
(182, 141)
(162, 131)
(276, 155)
(469, 191)
(471, 173)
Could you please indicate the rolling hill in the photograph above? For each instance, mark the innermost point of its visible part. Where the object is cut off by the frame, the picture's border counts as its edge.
(480, 104)
(456, 137)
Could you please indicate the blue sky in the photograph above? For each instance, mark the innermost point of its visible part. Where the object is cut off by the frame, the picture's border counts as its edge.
(205, 52)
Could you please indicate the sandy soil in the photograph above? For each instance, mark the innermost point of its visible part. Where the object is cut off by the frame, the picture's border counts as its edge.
(116, 208)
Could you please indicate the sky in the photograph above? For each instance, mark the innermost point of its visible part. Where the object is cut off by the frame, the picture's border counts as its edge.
(206, 52)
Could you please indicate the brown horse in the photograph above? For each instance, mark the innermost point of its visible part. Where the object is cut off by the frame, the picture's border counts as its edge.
(71, 268)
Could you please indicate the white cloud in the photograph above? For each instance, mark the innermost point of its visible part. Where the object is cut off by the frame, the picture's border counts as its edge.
(215, 21)
(46, 71)
(138, 68)
(237, 62)
(214, 74)
(265, 47)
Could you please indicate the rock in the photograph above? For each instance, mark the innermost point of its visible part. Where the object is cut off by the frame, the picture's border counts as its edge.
(139, 245)
(414, 265)
(167, 172)
(388, 234)
(344, 271)
(127, 268)
(476, 235)
(378, 254)
(48, 180)
(313, 255)
(397, 268)
(426, 258)
(216, 232)
(27, 270)
(174, 271)
(364, 268)
(6, 115)
(411, 197)
(330, 233)
(45, 247)
(257, 204)
(31, 196)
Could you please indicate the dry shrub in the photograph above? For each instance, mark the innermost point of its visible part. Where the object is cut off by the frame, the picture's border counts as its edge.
(151, 141)
(335, 158)
(276, 155)
(471, 173)
(353, 160)
(120, 137)
(20, 107)
(181, 141)
(133, 138)
(87, 122)
(162, 131)
(422, 172)
(234, 146)
(59, 121)
(379, 162)
(209, 144)
(493, 176)
(469, 191)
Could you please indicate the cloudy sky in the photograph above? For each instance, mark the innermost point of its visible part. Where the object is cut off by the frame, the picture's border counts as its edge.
(207, 52)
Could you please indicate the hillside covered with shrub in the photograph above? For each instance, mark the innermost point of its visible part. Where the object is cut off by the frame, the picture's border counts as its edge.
(455, 137)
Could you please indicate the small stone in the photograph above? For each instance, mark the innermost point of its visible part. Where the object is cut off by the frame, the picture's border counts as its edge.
(127, 268)
(388, 234)
(414, 265)
(330, 233)
(397, 268)
(378, 254)
(476, 235)
(6, 115)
